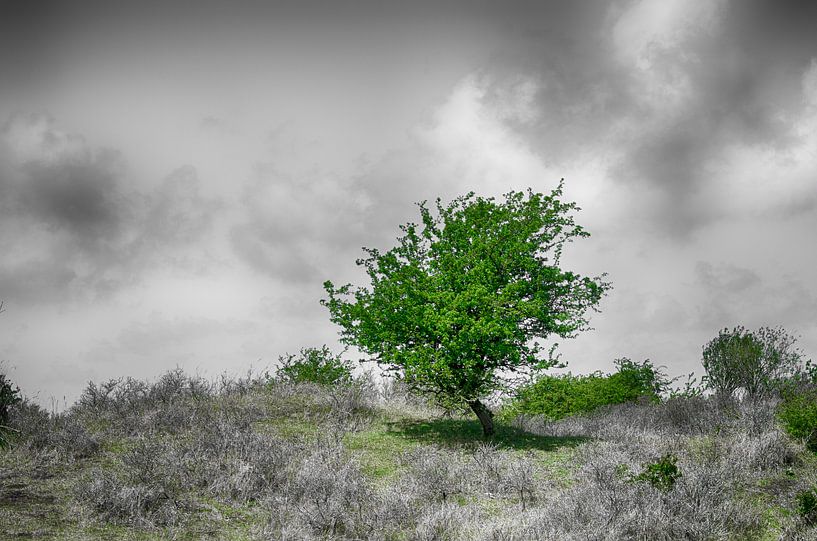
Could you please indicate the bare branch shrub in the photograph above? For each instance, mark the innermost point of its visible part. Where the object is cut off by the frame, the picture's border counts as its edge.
(438, 473)
(446, 521)
(114, 498)
(329, 493)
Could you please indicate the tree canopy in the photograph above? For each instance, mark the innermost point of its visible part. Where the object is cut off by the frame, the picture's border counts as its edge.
(467, 294)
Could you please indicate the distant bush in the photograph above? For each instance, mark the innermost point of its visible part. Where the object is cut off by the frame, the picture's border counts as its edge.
(757, 362)
(314, 365)
(9, 396)
(561, 396)
(798, 415)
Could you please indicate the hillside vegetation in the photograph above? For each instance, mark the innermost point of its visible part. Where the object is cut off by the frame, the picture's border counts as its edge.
(284, 458)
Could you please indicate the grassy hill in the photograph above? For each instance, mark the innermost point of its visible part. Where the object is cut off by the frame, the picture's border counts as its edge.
(245, 459)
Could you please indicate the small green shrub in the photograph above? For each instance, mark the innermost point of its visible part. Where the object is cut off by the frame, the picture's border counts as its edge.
(561, 396)
(9, 396)
(798, 415)
(807, 506)
(314, 365)
(661, 474)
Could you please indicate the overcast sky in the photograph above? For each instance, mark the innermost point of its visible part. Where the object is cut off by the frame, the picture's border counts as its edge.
(177, 179)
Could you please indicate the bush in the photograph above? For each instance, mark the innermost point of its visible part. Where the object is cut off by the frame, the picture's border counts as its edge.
(438, 474)
(561, 396)
(116, 499)
(330, 493)
(314, 365)
(9, 396)
(756, 362)
(807, 506)
(798, 415)
(662, 473)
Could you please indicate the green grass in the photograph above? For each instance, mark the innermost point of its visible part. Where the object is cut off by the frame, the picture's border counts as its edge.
(463, 432)
(379, 447)
(290, 427)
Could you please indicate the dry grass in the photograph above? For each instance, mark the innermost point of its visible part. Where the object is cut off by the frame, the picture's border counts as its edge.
(240, 459)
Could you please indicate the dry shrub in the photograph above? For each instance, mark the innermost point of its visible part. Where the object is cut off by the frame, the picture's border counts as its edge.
(329, 494)
(115, 498)
(445, 521)
(437, 473)
(40, 431)
(148, 490)
(236, 463)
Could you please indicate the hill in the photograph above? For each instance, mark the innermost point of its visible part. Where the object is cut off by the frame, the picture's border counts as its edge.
(252, 459)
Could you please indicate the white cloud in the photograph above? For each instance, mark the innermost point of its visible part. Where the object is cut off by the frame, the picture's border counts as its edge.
(651, 38)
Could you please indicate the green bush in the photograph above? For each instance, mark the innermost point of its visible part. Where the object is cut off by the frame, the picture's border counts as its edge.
(661, 474)
(9, 396)
(798, 415)
(561, 396)
(807, 506)
(314, 365)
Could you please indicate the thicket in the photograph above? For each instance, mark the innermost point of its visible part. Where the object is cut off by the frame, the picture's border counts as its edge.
(183, 454)
(757, 363)
(314, 365)
(765, 364)
(9, 397)
(798, 414)
(559, 396)
(167, 455)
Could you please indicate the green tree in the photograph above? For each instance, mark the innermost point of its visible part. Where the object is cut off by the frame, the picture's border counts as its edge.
(757, 362)
(464, 298)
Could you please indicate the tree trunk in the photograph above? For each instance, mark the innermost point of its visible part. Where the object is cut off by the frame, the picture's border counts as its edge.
(486, 418)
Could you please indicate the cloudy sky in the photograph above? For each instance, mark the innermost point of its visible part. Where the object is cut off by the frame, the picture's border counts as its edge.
(177, 179)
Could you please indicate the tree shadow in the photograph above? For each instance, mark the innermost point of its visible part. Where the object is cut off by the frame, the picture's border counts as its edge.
(452, 432)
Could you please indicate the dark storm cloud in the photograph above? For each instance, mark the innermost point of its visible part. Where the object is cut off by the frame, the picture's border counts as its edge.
(663, 102)
(76, 196)
(69, 224)
(27, 42)
(62, 183)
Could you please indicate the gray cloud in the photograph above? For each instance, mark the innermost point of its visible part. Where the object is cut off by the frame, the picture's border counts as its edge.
(177, 214)
(731, 295)
(159, 333)
(293, 227)
(70, 227)
(663, 102)
(78, 197)
(684, 128)
(35, 281)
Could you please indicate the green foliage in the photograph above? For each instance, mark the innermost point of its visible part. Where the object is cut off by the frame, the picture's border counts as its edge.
(9, 396)
(798, 415)
(661, 474)
(807, 506)
(465, 295)
(757, 362)
(314, 365)
(561, 396)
